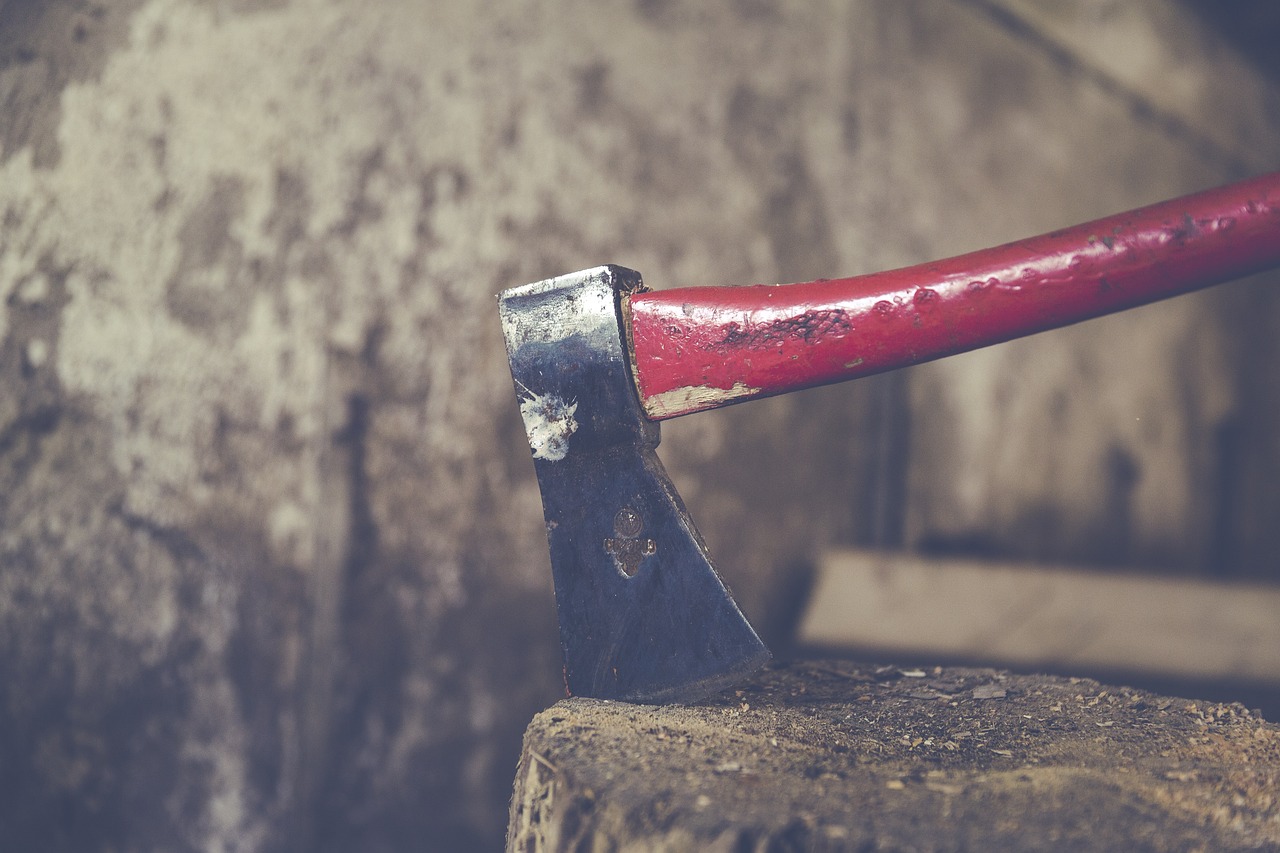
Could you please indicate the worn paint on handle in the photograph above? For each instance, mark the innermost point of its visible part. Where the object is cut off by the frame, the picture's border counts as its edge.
(702, 347)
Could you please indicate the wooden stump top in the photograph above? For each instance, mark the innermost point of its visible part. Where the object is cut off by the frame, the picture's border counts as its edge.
(840, 756)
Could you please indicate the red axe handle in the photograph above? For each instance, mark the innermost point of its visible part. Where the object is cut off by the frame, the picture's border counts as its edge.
(698, 348)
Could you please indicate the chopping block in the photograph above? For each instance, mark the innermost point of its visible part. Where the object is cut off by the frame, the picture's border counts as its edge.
(833, 755)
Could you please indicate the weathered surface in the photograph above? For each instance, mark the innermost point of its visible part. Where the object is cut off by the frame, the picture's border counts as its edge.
(839, 756)
(273, 572)
(1136, 439)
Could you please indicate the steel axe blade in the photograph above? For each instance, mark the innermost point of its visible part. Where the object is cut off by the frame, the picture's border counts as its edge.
(643, 615)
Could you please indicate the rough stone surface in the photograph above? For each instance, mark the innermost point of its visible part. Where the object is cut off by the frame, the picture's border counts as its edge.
(840, 756)
(272, 567)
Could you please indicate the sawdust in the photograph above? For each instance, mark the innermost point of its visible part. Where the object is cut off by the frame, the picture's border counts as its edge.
(842, 756)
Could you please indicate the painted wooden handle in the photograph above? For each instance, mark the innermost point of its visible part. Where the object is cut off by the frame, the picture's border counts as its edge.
(698, 348)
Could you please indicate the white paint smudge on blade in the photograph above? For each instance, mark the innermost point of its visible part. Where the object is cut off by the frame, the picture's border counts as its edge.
(549, 421)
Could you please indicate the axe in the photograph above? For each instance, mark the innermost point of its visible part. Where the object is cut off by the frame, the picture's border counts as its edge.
(598, 360)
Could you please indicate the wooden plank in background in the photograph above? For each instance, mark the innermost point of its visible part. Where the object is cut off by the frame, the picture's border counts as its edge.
(1061, 618)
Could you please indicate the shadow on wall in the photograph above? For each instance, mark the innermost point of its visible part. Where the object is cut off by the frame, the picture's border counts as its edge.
(1253, 26)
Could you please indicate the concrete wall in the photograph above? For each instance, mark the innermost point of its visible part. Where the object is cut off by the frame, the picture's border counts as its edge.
(272, 569)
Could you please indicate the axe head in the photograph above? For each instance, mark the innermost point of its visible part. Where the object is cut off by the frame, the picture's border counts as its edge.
(643, 615)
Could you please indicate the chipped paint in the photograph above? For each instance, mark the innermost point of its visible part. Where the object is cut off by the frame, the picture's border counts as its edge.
(548, 421)
(695, 398)
(682, 359)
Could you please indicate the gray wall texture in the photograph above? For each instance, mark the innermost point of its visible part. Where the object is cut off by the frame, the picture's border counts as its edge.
(272, 567)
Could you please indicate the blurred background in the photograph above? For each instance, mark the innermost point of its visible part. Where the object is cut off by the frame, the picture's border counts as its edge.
(272, 568)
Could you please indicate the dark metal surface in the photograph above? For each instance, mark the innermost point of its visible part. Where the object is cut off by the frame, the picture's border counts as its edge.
(643, 615)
